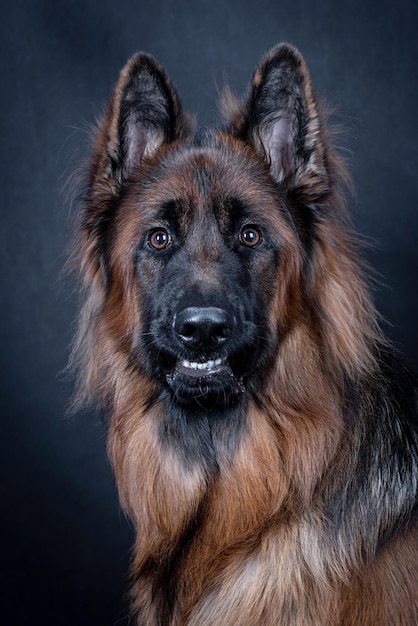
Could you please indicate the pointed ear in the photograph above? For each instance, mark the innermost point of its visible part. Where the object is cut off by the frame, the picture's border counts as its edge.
(280, 119)
(144, 114)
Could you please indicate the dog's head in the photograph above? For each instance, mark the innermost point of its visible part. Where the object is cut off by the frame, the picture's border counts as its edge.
(198, 250)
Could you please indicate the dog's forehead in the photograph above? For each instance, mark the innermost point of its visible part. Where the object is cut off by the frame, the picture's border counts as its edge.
(216, 178)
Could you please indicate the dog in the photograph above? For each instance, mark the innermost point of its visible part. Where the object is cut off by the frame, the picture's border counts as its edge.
(262, 432)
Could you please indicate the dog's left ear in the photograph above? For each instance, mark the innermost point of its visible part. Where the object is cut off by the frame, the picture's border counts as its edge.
(280, 120)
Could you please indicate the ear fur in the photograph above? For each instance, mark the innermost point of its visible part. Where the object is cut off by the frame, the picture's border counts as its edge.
(144, 113)
(280, 119)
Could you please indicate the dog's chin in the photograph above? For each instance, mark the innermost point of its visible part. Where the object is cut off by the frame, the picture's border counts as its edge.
(209, 384)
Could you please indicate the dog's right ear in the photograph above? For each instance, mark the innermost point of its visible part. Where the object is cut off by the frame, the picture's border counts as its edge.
(144, 114)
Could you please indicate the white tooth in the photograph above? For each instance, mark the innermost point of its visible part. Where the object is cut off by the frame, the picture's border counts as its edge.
(207, 365)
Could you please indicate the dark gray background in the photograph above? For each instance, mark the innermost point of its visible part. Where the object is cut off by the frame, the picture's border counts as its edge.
(65, 545)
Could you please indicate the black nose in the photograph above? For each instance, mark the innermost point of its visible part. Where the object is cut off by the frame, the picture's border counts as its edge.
(203, 328)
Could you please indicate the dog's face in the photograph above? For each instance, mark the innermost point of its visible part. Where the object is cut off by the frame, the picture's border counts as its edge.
(206, 264)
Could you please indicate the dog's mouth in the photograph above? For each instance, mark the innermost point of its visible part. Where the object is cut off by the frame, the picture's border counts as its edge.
(209, 382)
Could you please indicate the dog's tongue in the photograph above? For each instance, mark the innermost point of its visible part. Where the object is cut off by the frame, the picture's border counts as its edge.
(193, 369)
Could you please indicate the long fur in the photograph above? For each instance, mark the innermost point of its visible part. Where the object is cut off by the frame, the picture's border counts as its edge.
(286, 493)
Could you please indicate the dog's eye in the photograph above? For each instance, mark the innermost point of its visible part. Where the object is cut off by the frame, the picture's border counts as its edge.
(250, 236)
(159, 239)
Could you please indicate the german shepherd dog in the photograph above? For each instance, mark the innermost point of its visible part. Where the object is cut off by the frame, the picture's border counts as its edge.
(262, 433)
